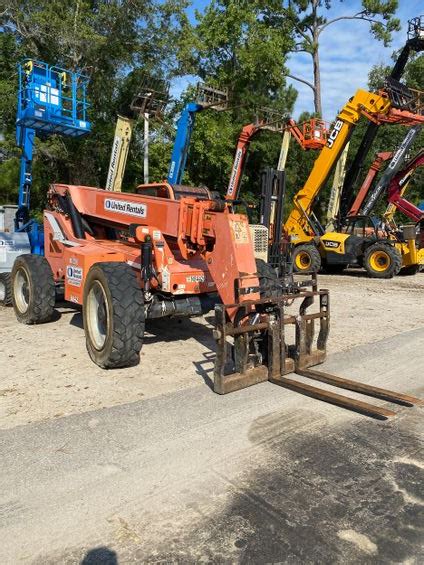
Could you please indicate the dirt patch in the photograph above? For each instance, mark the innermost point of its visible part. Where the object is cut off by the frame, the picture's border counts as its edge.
(46, 372)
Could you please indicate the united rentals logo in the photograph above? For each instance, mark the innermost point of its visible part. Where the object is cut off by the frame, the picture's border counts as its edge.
(74, 275)
(232, 183)
(113, 162)
(125, 207)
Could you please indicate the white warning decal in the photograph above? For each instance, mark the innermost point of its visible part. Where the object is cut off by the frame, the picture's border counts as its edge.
(239, 230)
(232, 183)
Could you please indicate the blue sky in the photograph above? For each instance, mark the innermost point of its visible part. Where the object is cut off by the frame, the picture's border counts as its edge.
(348, 51)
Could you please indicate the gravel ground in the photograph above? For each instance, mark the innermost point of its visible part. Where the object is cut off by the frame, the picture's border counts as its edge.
(46, 372)
(263, 475)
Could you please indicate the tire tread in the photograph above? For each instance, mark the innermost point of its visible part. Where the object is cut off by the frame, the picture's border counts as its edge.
(128, 316)
(41, 308)
(395, 256)
(5, 278)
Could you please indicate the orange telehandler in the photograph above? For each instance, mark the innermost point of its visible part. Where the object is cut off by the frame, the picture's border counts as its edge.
(167, 251)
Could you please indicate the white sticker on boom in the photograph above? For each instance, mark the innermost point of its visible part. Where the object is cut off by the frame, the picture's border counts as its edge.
(125, 207)
(74, 275)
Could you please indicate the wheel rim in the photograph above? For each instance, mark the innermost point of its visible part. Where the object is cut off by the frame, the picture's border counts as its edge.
(97, 315)
(303, 260)
(380, 261)
(21, 290)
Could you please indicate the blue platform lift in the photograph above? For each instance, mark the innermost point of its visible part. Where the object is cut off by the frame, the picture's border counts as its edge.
(208, 97)
(185, 125)
(51, 100)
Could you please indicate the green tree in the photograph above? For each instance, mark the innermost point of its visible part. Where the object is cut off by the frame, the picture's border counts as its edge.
(106, 40)
(308, 18)
(232, 45)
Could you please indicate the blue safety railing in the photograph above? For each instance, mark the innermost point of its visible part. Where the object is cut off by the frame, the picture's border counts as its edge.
(52, 99)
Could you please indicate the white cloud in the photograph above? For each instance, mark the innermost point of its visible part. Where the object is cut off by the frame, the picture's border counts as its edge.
(347, 53)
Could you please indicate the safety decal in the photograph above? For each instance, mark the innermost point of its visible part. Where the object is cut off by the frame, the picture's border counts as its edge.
(240, 233)
(166, 279)
(232, 183)
(5, 246)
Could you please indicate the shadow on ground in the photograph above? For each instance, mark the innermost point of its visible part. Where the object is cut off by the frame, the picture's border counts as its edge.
(329, 495)
(165, 330)
(100, 556)
(162, 329)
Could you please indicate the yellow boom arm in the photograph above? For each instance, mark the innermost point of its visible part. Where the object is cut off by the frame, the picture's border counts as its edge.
(298, 225)
(118, 158)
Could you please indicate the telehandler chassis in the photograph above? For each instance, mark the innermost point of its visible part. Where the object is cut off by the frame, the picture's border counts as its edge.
(168, 251)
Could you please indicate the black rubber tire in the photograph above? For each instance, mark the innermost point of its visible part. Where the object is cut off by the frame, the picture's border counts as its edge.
(5, 290)
(313, 264)
(123, 301)
(33, 301)
(394, 260)
(411, 270)
(268, 280)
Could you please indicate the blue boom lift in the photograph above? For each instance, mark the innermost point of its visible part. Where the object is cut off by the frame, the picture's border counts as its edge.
(51, 100)
(208, 97)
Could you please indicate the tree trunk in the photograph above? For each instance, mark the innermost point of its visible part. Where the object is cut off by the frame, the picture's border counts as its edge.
(315, 58)
(317, 83)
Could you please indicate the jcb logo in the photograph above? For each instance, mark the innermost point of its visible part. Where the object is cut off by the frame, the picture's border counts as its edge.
(332, 244)
(334, 133)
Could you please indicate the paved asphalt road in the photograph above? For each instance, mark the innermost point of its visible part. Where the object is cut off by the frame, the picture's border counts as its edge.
(261, 475)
